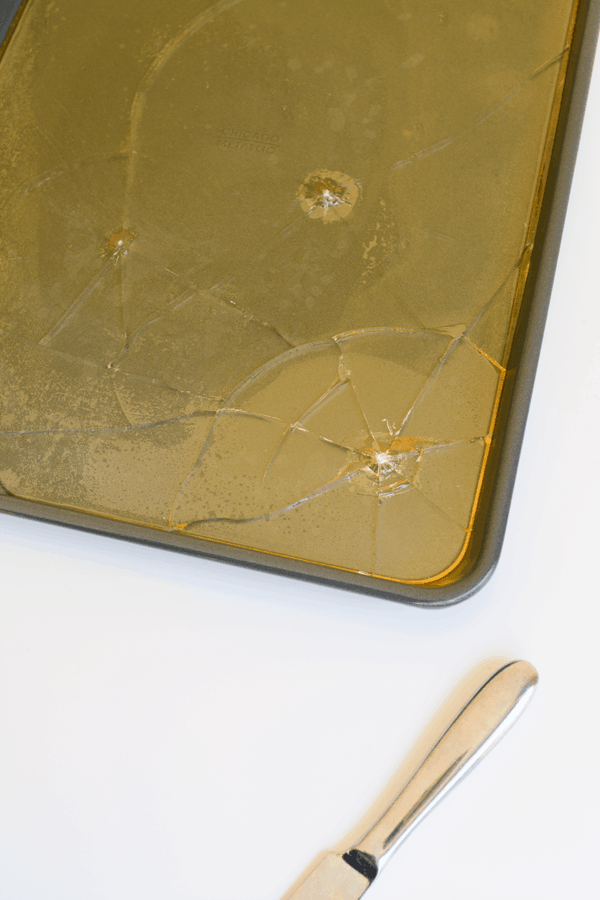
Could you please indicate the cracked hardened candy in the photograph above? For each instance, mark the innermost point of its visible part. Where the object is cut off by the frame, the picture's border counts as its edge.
(261, 265)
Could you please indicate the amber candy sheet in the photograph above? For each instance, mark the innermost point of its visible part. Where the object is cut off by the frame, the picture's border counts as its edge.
(260, 263)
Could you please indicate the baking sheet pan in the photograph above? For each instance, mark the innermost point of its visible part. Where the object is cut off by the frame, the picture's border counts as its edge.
(274, 276)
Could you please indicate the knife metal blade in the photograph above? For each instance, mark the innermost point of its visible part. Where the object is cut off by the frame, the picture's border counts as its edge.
(478, 727)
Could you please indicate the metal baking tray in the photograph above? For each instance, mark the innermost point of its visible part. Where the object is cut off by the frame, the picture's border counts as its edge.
(273, 277)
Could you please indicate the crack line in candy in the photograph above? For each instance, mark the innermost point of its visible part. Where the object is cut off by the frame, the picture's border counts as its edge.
(493, 362)
(203, 449)
(342, 360)
(338, 384)
(116, 430)
(446, 239)
(427, 378)
(401, 302)
(454, 343)
(275, 513)
(102, 370)
(123, 315)
(137, 108)
(513, 269)
(191, 291)
(255, 375)
(287, 231)
(430, 378)
(331, 389)
(439, 508)
(48, 175)
(445, 444)
(496, 107)
(34, 182)
(352, 387)
(162, 57)
(132, 338)
(409, 488)
(130, 341)
(289, 427)
(326, 440)
(261, 416)
(89, 184)
(265, 417)
(67, 166)
(379, 329)
(78, 302)
(83, 296)
(118, 399)
(50, 142)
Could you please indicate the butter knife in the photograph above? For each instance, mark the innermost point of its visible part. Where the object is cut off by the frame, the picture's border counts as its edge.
(481, 723)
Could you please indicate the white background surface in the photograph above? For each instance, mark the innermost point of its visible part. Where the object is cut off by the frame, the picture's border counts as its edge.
(174, 728)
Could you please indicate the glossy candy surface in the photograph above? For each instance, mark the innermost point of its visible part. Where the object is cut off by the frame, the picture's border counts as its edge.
(261, 266)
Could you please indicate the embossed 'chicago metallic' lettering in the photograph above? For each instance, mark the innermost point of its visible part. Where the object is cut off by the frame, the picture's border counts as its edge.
(258, 142)
(248, 146)
(262, 137)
